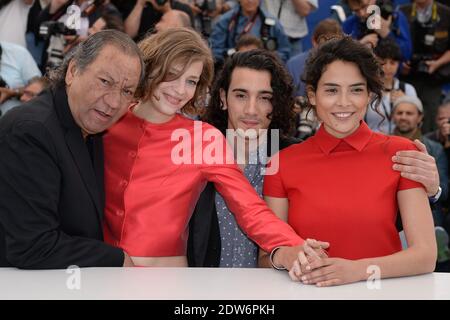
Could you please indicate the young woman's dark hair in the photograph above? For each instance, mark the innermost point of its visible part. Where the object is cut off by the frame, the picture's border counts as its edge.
(388, 49)
(348, 50)
(282, 116)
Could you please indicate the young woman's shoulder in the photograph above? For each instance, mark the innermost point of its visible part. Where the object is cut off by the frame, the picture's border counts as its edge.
(394, 143)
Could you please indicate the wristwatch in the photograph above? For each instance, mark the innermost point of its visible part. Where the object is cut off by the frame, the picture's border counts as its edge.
(435, 198)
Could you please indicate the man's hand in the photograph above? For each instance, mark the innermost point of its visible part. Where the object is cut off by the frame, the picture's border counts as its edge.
(385, 28)
(433, 65)
(418, 166)
(127, 262)
(195, 9)
(370, 40)
(6, 94)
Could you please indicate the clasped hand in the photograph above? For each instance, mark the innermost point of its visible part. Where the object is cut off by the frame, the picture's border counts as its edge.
(313, 266)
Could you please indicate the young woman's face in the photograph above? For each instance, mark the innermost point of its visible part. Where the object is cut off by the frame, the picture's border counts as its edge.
(341, 98)
(170, 96)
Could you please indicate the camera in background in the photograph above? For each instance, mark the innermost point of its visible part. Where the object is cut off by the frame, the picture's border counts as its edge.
(55, 28)
(386, 10)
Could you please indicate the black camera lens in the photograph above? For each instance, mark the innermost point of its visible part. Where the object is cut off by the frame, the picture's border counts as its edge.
(161, 2)
(270, 44)
(2, 83)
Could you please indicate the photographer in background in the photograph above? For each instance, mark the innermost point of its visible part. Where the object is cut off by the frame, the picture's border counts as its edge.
(173, 19)
(247, 18)
(292, 15)
(63, 21)
(442, 136)
(429, 68)
(17, 68)
(205, 13)
(393, 23)
(34, 87)
(141, 16)
(106, 20)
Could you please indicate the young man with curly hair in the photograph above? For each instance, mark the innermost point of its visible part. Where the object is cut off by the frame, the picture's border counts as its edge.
(252, 104)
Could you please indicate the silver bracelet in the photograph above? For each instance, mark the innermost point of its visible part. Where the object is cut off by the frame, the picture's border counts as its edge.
(271, 260)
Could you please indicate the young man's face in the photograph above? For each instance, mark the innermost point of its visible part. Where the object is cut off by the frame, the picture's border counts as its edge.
(248, 100)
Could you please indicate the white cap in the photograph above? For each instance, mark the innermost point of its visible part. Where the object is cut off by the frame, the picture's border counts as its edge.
(409, 99)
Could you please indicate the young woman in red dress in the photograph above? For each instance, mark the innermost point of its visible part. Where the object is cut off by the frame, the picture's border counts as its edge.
(339, 185)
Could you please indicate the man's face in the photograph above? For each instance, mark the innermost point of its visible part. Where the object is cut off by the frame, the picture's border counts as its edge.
(31, 91)
(249, 5)
(100, 94)
(443, 115)
(360, 7)
(248, 99)
(406, 117)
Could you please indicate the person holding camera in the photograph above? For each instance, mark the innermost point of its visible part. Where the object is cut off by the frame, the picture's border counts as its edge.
(173, 19)
(393, 24)
(63, 22)
(206, 13)
(292, 15)
(429, 66)
(17, 68)
(248, 18)
(442, 134)
(141, 16)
